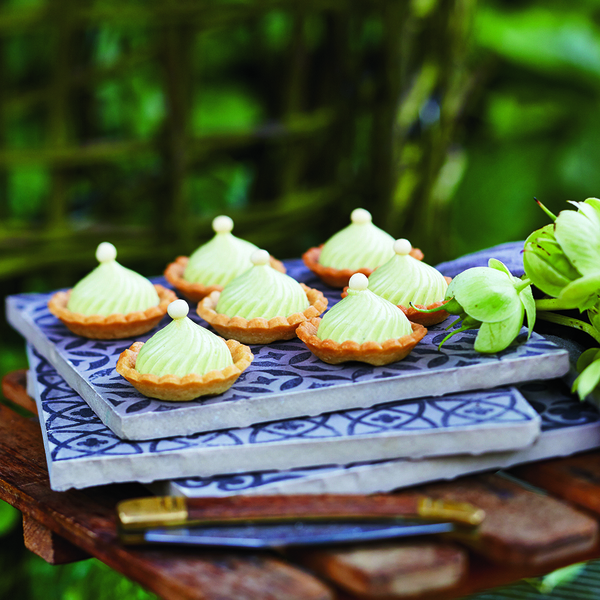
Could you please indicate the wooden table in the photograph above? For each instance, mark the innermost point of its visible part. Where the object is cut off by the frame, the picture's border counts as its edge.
(68, 526)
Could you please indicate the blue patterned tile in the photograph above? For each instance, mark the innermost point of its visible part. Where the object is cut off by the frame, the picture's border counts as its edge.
(568, 426)
(284, 381)
(82, 451)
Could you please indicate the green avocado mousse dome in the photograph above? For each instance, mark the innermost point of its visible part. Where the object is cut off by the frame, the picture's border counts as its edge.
(404, 280)
(360, 247)
(363, 316)
(361, 244)
(261, 305)
(262, 292)
(111, 288)
(112, 302)
(182, 348)
(407, 282)
(214, 264)
(183, 360)
(221, 259)
(363, 327)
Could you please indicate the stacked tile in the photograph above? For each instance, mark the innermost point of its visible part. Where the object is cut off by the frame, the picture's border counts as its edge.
(292, 423)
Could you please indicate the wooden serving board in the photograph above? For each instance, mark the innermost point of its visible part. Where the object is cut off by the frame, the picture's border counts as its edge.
(66, 526)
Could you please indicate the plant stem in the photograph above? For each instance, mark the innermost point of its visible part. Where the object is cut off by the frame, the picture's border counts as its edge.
(526, 282)
(570, 322)
(551, 215)
(551, 304)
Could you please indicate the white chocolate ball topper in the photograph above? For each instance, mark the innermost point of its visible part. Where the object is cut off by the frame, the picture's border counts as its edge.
(360, 216)
(222, 224)
(260, 258)
(106, 252)
(178, 309)
(402, 247)
(358, 282)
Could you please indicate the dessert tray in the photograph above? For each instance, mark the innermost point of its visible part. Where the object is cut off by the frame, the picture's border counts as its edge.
(81, 451)
(285, 380)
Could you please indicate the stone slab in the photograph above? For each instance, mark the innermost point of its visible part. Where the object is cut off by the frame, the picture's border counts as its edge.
(568, 426)
(284, 381)
(82, 451)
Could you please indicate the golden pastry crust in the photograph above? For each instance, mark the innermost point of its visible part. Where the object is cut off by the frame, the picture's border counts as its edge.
(426, 319)
(338, 278)
(181, 389)
(115, 326)
(373, 353)
(260, 330)
(196, 291)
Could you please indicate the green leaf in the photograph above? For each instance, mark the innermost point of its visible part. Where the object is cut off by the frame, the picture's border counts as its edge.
(546, 41)
(526, 297)
(494, 263)
(587, 358)
(588, 380)
(495, 337)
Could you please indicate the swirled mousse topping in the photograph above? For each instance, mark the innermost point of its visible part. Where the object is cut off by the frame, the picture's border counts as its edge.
(182, 348)
(404, 279)
(221, 259)
(262, 292)
(111, 288)
(363, 316)
(359, 245)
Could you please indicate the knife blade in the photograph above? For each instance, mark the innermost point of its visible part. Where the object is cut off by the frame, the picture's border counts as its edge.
(285, 535)
(172, 511)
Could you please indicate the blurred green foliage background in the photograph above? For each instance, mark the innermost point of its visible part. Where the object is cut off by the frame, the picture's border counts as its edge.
(138, 122)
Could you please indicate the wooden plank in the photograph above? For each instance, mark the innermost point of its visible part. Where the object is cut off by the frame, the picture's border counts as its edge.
(49, 546)
(14, 386)
(520, 527)
(87, 519)
(576, 478)
(393, 569)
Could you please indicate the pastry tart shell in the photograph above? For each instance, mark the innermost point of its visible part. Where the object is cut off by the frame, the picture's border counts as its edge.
(115, 326)
(196, 291)
(181, 389)
(374, 353)
(260, 330)
(415, 316)
(339, 278)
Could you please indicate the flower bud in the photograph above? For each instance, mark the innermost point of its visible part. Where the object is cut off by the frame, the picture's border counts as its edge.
(546, 264)
(492, 300)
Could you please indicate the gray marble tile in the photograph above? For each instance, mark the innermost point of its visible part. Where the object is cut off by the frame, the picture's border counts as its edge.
(82, 451)
(284, 381)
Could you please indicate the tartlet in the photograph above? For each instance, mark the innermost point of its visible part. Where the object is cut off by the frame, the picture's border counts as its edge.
(261, 305)
(214, 264)
(360, 247)
(183, 365)
(111, 302)
(361, 327)
(411, 285)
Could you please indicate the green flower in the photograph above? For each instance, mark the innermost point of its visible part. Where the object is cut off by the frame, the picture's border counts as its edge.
(492, 300)
(563, 259)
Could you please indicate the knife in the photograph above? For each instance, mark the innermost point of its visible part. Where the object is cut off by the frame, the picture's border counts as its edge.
(279, 536)
(171, 511)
